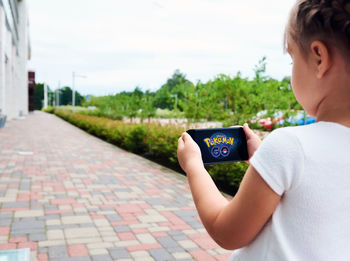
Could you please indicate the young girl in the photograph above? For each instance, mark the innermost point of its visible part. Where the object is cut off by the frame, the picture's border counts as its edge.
(294, 200)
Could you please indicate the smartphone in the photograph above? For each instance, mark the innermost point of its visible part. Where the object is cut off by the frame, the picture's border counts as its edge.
(221, 144)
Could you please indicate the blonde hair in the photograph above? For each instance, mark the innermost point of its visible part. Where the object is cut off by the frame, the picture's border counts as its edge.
(324, 20)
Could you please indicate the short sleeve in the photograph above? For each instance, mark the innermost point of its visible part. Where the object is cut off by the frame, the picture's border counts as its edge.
(279, 160)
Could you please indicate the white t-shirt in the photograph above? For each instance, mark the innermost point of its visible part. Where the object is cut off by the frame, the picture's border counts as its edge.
(310, 167)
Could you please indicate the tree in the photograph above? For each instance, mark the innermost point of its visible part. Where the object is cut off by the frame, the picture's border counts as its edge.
(172, 91)
(147, 109)
(38, 96)
(65, 95)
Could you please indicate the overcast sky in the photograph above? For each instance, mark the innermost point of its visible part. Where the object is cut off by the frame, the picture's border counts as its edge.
(122, 44)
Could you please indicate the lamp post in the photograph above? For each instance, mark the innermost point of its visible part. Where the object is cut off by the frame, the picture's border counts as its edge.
(58, 94)
(73, 87)
(174, 96)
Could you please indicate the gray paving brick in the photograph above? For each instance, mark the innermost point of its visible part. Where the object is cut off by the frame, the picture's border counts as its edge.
(58, 252)
(119, 253)
(37, 237)
(5, 215)
(24, 186)
(42, 250)
(113, 217)
(30, 227)
(186, 213)
(195, 225)
(180, 237)
(161, 255)
(101, 258)
(48, 217)
(121, 229)
(167, 242)
(80, 258)
(175, 233)
(176, 249)
(5, 222)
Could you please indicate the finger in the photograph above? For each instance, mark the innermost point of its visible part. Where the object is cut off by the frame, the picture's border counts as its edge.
(248, 132)
(186, 137)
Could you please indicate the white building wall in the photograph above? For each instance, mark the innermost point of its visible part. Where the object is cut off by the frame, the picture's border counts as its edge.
(2, 58)
(13, 64)
(22, 78)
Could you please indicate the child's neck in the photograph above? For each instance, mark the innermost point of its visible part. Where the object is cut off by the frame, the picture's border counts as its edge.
(335, 109)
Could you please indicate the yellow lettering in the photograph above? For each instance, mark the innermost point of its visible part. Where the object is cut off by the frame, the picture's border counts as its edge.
(231, 141)
(207, 140)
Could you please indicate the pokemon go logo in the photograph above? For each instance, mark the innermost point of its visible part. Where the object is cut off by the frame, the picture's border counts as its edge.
(219, 145)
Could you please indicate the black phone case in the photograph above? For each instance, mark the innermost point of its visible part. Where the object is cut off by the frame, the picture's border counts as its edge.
(221, 144)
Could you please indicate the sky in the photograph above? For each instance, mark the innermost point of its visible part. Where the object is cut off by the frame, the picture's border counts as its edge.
(116, 45)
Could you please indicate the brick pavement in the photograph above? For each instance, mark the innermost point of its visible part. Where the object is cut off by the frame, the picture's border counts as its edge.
(67, 195)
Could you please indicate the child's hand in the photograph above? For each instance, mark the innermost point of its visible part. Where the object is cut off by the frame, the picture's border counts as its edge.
(188, 153)
(253, 140)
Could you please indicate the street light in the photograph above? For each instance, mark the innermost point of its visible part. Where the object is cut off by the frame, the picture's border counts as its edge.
(73, 87)
(174, 96)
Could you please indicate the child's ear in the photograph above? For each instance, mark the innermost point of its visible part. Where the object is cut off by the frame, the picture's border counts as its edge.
(321, 58)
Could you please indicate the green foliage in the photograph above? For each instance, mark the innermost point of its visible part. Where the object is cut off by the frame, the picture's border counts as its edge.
(49, 109)
(232, 100)
(38, 96)
(65, 96)
(172, 94)
(152, 140)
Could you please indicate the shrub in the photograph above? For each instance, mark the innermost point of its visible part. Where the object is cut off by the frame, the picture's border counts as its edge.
(154, 141)
(49, 109)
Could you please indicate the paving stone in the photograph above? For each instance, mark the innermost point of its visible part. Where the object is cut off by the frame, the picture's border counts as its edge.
(182, 255)
(15, 205)
(29, 213)
(118, 253)
(55, 234)
(161, 255)
(28, 225)
(37, 237)
(101, 258)
(5, 215)
(121, 229)
(167, 242)
(81, 232)
(76, 219)
(5, 222)
(74, 190)
(58, 252)
(175, 249)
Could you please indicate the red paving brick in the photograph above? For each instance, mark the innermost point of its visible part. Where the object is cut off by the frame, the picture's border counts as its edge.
(126, 236)
(77, 250)
(17, 240)
(79, 196)
(32, 245)
(4, 231)
(202, 255)
(42, 257)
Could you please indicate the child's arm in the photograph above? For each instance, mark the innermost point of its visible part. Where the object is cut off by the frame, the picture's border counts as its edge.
(232, 224)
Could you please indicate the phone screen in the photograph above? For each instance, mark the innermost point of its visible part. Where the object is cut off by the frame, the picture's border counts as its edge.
(221, 144)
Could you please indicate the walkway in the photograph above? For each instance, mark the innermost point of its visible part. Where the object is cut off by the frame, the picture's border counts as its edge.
(67, 195)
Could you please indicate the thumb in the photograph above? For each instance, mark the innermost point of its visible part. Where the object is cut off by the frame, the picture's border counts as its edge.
(180, 142)
(186, 137)
(248, 132)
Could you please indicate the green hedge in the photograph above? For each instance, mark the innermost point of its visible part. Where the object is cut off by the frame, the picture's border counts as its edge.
(153, 141)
